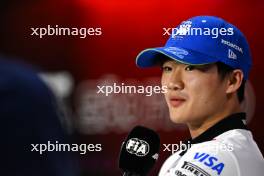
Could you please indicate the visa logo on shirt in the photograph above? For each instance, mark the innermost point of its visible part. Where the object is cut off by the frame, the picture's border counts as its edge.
(210, 161)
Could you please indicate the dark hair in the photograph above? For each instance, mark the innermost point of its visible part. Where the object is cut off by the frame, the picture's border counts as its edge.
(224, 70)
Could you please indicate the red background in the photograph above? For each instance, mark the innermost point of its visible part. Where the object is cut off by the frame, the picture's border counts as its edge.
(128, 27)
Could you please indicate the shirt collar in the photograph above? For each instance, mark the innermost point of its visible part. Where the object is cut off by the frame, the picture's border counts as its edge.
(231, 122)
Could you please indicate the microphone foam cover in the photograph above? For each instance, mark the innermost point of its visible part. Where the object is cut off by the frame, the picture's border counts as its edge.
(139, 151)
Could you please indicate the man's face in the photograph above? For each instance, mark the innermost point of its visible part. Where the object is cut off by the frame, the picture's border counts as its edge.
(194, 92)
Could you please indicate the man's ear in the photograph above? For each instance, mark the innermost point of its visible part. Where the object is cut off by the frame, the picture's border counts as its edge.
(234, 81)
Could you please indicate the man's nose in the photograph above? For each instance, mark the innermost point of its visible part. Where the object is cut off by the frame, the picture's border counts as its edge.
(175, 81)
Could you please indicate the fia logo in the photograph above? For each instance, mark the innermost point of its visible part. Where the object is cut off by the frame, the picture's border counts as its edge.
(137, 147)
(231, 54)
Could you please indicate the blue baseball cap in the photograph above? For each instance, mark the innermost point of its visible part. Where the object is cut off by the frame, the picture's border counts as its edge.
(202, 40)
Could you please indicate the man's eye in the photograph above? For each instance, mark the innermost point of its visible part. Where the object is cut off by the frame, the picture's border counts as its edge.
(166, 68)
(189, 67)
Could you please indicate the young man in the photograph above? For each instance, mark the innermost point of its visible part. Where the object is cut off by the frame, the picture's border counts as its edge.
(205, 64)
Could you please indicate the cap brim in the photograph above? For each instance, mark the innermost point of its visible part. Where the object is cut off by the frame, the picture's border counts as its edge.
(152, 56)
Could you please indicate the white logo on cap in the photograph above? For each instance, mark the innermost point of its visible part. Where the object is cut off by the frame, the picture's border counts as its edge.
(236, 47)
(182, 30)
(180, 53)
(231, 54)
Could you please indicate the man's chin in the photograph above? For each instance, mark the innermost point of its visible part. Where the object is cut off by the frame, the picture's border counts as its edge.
(177, 119)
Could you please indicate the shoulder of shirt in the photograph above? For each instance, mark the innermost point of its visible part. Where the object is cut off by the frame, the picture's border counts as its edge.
(223, 155)
(216, 157)
(205, 157)
(201, 158)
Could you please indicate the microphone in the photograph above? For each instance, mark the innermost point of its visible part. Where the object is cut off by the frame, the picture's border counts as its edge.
(139, 151)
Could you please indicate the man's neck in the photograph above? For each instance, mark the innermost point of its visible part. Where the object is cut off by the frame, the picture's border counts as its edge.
(198, 129)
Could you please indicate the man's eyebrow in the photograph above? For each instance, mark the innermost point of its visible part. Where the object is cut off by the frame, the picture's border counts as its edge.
(204, 67)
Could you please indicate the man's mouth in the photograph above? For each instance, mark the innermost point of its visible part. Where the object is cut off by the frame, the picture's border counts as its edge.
(176, 101)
